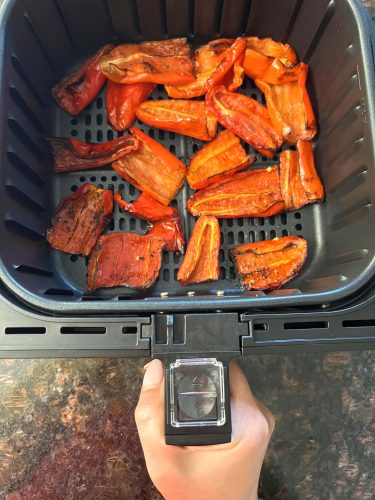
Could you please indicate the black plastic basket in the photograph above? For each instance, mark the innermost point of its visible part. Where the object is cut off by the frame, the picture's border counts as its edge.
(42, 41)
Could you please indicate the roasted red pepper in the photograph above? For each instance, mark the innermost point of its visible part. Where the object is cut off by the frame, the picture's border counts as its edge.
(190, 118)
(201, 261)
(145, 207)
(269, 61)
(246, 117)
(165, 61)
(123, 100)
(267, 265)
(255, 193)
(80, 219)
(170, 231)
(213, 60)
(290, 108)
(71, 155)
(152, 169)
(124, 259)
(217, 160)
(299, 181)
(167, 223)
(76, 91)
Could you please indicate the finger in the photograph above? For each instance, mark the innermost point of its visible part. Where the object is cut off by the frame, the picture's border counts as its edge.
(149, 413)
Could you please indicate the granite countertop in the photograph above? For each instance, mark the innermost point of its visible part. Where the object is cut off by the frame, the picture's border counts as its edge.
(67, 427)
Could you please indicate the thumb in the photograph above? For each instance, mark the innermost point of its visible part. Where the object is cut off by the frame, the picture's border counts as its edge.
(149, 413)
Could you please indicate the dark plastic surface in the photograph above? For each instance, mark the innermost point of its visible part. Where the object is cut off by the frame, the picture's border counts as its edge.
(44, 40)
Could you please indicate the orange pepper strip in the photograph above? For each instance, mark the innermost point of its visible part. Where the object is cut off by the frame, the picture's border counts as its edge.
(166, 61)
(267, 265)
(145, 207)
(152, 169)
(299, 181)
(254, 193)
(245, 117)
(290, 108)
(270, 48)
(201, 262)
(207, 59)
(267, 69)
(191, 118)
(123, 100)
(231, 56)
(217, 160)
(124, 259)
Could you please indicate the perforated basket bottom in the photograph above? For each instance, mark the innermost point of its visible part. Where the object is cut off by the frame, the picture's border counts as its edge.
(92, 126)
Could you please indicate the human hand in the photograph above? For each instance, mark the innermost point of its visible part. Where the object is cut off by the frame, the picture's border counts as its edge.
(228, 470)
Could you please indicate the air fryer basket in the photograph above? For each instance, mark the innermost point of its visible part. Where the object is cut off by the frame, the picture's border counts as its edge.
(42, 41)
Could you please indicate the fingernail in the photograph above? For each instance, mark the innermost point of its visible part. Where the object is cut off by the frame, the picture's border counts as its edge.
(154, 374)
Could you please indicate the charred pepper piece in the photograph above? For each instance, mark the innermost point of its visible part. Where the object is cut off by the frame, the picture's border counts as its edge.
(76, 91)
(215, 60)
(217, 160)
(290, 108)
(190, 118)
(201, 261)
(267, 265)
(255, 193)
(170, 231)
(152, 169)
(80, 219)
(123, 100)
(299, 181)
(124, 259)
(165, 61)
(246, 117)
(71, 155)
(269, 61)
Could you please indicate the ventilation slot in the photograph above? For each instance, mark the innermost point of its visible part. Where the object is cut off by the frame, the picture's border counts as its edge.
(25, 139)
(21, 104)
(129, 329)
(21, 73)
(23, 231)
(21, 198)
(59, 291)
(34, 270)
(260, 327)
(83, 329)
(22, 167)
(28, 330)
(308, 325)
(358, 323)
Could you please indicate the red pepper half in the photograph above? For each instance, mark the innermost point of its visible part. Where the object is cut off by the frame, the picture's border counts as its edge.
(165, 61)
(76, 91)
(201, 261)
(170, 231)
(246, 117)
(217, 160)
(190, 118)
(254, 193)
(124, 259)
(123, 100)
(290, 108)
(217, 59)
(152, 169)
(299, 181)
(267, 265)
(71, 155)
(80, 219)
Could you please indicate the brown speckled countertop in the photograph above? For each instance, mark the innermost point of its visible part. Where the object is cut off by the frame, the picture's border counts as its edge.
(67, 428)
